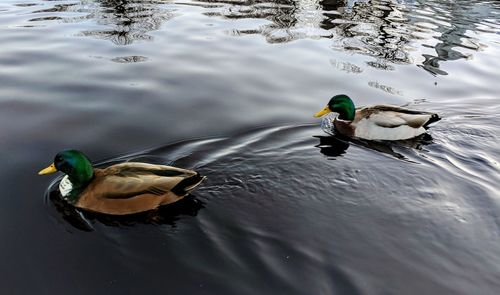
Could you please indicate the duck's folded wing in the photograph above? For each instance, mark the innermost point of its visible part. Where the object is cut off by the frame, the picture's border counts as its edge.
(131, 179)
(395, 119)
(391, 108)
(137, 169)
(116, 187)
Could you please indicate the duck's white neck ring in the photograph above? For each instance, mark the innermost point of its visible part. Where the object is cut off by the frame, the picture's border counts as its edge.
(65, 187)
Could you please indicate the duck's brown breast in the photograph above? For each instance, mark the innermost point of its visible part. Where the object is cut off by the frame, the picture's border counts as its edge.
(344, 127)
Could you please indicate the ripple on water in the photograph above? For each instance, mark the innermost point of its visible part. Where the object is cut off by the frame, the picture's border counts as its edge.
(391, 31)
(268, 188)
(285, 209)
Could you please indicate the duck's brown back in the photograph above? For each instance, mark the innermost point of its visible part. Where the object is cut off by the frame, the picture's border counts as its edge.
(134, 187)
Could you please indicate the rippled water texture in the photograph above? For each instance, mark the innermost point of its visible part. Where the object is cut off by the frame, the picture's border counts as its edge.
(229, 88)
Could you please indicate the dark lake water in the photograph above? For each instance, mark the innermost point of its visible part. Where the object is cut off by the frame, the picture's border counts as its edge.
(229, 88)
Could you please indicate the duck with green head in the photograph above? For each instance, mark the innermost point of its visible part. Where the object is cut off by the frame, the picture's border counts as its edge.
(120, 189)
(378, 122)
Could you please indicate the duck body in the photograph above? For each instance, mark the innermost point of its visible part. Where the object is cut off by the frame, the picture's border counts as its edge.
(132, 188)
(378, 122)
(386, 122)
(125, 188)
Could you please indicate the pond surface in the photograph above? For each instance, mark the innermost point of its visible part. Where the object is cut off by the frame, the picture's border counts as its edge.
(229, 88)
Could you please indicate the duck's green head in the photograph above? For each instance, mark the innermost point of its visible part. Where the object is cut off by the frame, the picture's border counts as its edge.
(74, 164)
(341, 104)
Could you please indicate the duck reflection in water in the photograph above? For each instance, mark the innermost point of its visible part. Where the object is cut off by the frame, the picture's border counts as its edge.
(336, 145)
(84, 220)
(332, 146)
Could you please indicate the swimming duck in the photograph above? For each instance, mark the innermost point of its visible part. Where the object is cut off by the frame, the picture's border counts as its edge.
(379, 122)
(120, 189)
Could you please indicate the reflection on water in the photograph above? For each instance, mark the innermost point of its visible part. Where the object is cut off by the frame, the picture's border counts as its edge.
(332, 146)
(402, 32)
(386, 30)
(461, 17)
(123, 21)
(129, 59)
(130, 20)
(336, 145)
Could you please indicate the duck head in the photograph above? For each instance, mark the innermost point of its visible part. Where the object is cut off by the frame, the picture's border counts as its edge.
(74, 164)
(341, 104)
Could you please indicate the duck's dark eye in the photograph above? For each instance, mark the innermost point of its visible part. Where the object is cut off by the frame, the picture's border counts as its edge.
(59, 162)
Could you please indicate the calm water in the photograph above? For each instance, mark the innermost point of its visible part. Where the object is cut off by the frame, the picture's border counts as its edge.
(229, 88)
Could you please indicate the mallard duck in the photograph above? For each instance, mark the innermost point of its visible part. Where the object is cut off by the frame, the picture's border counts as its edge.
(120, 189)
(379, 122)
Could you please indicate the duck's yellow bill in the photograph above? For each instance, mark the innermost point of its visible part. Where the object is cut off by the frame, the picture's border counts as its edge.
(49, 170)
(323, 112)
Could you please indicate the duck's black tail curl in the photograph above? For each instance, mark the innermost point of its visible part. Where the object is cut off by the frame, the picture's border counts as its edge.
(434, 118)
(188, 184)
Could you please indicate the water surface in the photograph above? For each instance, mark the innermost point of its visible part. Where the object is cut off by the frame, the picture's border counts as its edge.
(229, 88)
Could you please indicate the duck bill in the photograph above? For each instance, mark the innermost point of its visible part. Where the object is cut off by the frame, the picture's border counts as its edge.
(323, 112)
(49, 170)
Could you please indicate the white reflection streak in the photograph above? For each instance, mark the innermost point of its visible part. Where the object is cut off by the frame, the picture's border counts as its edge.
(309, 15)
